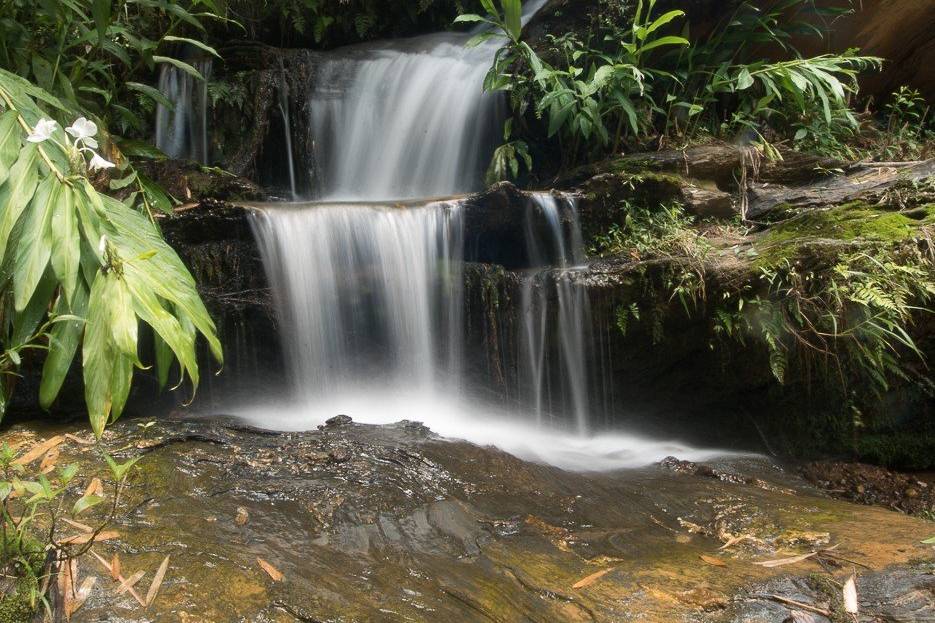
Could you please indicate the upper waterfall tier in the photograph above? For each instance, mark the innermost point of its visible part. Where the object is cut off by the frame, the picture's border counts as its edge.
(405, 119)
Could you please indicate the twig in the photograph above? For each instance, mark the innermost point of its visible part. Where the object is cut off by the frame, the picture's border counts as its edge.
(797, 604)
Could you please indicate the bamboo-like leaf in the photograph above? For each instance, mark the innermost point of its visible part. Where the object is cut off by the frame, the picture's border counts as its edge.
(63, 343)
(34, 248)
(26, 322)
(155, 94)
(157, 582)
(513, 17)
(193, 42)
(16, 193)
(180, 65)
(11, 137)
(66, 250)
(98, 354)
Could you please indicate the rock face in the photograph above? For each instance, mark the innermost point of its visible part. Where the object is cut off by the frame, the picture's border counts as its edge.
(666, 374)
(359, 523)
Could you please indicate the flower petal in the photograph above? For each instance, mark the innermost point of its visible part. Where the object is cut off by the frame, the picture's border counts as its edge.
(82, 128)
(97, 163)
(42, 132)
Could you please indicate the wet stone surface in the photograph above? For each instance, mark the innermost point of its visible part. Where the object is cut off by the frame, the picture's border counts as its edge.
(393, 524)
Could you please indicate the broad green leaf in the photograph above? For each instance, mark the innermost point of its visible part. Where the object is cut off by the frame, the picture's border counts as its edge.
(664, 41)
(16, 193)
(744, 80)
(662, 20)
(120, 470)
(154, 94)
(98, 354)
(513, 17)
(164, 359)
(193, 42)
(66, 250)
(120, 385)
(84, 503)
(26, 321)
(101, 9)
(140, 149)
(11, 137)
(179, 64)
(34, 248)
(163, 274)
(123, 322)
(63, 344)
(124, 182)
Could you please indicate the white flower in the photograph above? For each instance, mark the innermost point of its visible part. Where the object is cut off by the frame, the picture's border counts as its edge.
(83, 130)
(97, 163)
(43, 131)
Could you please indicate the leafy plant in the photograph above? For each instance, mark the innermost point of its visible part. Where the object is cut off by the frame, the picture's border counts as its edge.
(36, 503)
(81, 268)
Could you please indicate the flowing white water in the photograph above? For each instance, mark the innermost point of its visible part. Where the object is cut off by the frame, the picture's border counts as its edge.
(369, 295)
(550, 296)
(182, 132)
(405, 119)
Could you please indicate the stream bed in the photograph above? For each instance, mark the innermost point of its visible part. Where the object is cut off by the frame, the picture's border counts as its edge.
(393, 523)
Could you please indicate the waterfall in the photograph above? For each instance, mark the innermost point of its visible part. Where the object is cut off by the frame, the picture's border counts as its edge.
(368, 295)
(406, 119)
(368, 280)
(553, 303)
(287, 128)
(182, 130)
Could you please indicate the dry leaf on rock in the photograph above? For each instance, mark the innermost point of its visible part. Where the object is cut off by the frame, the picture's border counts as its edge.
(157, 581)
(850, 596)
(48, 461)
(94, 487)
(39, 450)
(130, 582)
(81, 539)
(785, 561)
(242, 516)
(591, 579)
(711, 560)
(270, 570)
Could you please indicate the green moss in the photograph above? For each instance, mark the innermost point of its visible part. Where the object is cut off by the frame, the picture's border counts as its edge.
(850, 222)
(17, 607)
(900, 450)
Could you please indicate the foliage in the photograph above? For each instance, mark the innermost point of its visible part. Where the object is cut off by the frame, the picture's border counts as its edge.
(303, 23)
(82, 268)
(94, 56)
(629, 84)
(35, 504)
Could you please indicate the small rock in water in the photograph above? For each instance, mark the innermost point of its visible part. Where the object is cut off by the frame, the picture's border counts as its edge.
(340, 455)
(338, 420)
(242, 516)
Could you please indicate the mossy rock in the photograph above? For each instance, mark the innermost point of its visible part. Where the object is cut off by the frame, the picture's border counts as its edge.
(853, 222)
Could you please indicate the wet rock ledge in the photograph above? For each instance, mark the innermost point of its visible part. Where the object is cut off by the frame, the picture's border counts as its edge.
(392, 524)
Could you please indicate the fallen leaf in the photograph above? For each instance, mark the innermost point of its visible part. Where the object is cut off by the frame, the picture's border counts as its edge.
(157, 582)
(797, 616)
(272, 571)
(930, 541)
(39, 450)
(95, 487)
(78, 524)
(67, 570)
(591, 579)
(48, 461)
(109, 568)
(711, 560)
(82, 594)
(850, 596)
(77, 439)
(81, 539)
(115, 567)
(785, 561)
(130, 582)
(737, 539)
